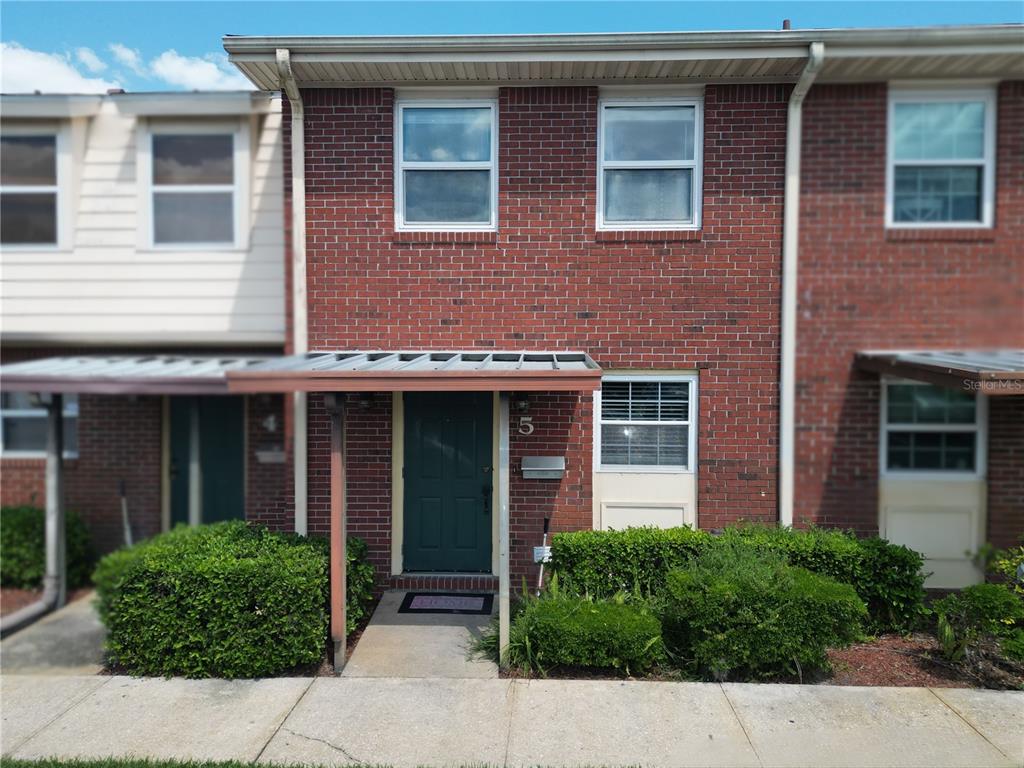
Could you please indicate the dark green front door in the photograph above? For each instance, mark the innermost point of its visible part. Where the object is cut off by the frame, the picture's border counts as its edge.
(220, 441)
(448, 481)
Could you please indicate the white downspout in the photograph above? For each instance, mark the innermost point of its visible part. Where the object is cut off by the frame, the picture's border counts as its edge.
(300, 343)
(790, 238)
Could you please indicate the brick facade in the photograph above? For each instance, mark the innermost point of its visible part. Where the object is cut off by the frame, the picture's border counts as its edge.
(547, 280)
(1006, 471)
(862, 287)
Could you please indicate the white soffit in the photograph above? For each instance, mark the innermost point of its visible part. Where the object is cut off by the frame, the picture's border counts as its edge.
(995, 51)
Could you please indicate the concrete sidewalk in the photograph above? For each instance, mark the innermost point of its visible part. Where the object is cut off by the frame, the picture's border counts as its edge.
(410, 722)
(66, 642)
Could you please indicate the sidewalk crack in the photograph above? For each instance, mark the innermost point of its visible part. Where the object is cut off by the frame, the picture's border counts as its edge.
(969, 724)
(74, 703)
(511, 696)
(348, 755)
(743, 728)
(284, 720)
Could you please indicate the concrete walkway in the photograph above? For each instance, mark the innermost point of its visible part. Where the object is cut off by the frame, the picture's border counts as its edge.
(418, 645)
(65, 642)
(410, 722)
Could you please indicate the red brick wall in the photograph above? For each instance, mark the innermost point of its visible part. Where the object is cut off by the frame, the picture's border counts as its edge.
(1006, 470)
(268, 486)
(547, 280)
(863, 288)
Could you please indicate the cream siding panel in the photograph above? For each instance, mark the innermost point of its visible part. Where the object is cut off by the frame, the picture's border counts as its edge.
(106, 286)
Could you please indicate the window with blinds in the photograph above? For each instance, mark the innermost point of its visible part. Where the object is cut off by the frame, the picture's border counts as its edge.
(645, 422)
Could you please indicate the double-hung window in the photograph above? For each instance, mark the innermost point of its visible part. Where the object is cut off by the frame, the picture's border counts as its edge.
(29, 192)
(446, 166)
(941, 159)
(647, 423)
(23, 425)
(930, 429)
(649, 160)
(193, 188)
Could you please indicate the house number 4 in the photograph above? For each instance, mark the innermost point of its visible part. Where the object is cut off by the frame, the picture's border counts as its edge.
(525, 425)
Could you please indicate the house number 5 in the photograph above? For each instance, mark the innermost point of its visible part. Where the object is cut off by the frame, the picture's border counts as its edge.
(525, 425)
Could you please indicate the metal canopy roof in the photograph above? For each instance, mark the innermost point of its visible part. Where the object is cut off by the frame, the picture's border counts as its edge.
(851, 55)
(355, 371)
(124, 374)
(993, 372)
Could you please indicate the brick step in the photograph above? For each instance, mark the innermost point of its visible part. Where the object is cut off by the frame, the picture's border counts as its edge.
(445, 582)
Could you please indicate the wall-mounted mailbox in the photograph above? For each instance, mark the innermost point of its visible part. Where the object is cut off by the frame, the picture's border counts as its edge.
(543, 467)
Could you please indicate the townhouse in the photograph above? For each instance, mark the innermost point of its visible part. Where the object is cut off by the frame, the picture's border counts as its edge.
(143, 225)
(639, 279)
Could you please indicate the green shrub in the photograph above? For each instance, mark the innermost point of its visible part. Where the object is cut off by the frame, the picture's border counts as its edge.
(23, 548)
(561, 630)
(981, 611)
(225, 600)
(887, 577)
(635, 560)
(1006, 563)
(740, 613)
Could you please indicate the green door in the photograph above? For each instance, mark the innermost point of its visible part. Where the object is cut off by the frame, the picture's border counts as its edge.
(448, 482)
(221, 446)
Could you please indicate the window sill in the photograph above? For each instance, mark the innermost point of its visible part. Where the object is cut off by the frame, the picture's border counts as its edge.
(471, 237)
(941, 234)
(648, 235)
(643, 471)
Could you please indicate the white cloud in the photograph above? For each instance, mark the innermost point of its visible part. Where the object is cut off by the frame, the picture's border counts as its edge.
(210, 73)
(129, 57)
(23, 70)
(88, 58)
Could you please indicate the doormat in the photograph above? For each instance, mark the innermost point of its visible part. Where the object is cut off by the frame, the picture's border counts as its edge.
(447, 602)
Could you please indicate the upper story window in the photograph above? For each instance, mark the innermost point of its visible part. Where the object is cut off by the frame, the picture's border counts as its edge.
(23, 425)
(446, 166)
(930, 429)
(28, 190)
(649, 160)
(941, 159)
(194, 188)
(646, 423)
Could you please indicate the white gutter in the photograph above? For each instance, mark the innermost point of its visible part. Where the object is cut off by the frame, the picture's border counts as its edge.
(790, 242)
(300, 341)
(55, 576)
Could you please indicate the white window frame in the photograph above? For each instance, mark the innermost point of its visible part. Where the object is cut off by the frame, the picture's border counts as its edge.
(696, 164)
(690, 423)
(987, 164)
(70, 411)
(979, 428)
(239, 130)
(401, 165)
(63, 170)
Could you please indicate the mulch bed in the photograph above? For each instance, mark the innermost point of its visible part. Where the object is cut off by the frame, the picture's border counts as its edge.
(13, 599)
(915, 660)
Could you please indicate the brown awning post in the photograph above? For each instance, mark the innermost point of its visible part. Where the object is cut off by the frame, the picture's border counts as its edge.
(339, 583)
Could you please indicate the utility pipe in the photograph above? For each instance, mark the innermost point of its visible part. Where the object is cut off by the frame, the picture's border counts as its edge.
(300, 340)
(790, 241)
(55, 577)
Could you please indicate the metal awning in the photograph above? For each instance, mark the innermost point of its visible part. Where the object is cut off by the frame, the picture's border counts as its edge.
(125, 374)
(993, 372)
(357, 371)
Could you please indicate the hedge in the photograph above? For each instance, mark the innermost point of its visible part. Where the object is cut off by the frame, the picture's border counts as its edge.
(741, 613)
(225, 600)
(23, 548)
(562, 630)
(887, 577)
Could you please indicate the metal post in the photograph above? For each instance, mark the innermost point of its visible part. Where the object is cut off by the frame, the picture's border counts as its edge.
(339, 557)
(504, 578)
(55, 578)
(195, 472)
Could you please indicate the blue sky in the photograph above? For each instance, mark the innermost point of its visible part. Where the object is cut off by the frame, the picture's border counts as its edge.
(90, 46)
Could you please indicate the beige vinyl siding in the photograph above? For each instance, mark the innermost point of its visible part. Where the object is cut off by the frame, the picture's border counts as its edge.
(108, 286)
